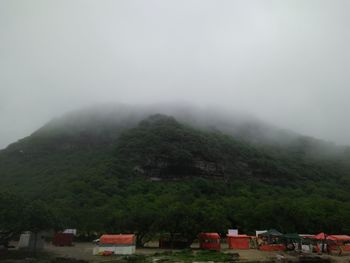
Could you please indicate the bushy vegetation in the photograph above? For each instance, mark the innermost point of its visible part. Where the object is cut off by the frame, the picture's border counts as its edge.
(206, 181)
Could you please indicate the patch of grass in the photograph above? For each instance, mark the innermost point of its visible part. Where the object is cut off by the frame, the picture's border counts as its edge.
(131, 259)
(17, 256)
(191, 256)
(67, 260)
(21, 254)
(213, 256)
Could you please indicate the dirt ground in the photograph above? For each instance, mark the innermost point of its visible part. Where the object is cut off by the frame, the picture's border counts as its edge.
(83, 250)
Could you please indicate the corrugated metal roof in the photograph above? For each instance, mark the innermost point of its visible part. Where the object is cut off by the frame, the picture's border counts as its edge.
(118, 239)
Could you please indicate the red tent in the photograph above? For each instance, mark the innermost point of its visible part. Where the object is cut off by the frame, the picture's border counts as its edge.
(272, 247)
(307, 236)
(209, 241)
(338, 244)
(320, 236)
(338, 237)
(238, 241)
(117, 239)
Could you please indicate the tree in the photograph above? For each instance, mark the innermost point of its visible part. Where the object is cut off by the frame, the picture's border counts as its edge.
(140, 218)
(38, 217)
(11, 207)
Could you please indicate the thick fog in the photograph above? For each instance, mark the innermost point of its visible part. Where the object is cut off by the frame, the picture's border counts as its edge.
(285, 62)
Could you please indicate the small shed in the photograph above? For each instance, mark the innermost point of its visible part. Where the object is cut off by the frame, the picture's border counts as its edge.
(31, 241)
(63, 239)
(238, 241)
(116, 245)
(209, 241)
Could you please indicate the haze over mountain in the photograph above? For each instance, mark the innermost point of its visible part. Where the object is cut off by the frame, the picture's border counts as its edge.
(284, 62)
(240, 125)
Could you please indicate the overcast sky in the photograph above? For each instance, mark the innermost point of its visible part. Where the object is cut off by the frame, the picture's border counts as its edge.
(286, 62)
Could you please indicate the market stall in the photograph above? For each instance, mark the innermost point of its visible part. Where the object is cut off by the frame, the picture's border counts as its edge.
(271, 240)
(320, 245)
(238, 241)
(338, 244)
(292, 241)
(209, 241)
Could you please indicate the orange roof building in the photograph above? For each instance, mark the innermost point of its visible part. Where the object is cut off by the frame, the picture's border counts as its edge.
(116, 245)
(117, 239)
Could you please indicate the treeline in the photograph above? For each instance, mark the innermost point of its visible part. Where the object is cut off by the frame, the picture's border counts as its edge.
(151, 209)
(18, 214)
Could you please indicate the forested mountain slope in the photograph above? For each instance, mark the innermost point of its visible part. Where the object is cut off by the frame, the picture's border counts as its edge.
(131, 172)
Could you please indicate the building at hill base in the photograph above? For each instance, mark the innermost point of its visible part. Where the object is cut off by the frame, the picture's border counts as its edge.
(209, 241)
(115, 245)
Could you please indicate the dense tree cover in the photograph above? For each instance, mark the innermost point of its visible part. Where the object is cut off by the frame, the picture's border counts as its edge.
(206, 181)
(10, 212)
(17, 215)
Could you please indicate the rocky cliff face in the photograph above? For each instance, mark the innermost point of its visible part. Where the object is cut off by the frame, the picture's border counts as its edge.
(163, 169)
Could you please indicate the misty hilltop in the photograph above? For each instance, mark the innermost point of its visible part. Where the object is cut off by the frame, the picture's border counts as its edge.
(104, 127)
(92, 157)
(113, 118)
(108, 127)
(285, 62)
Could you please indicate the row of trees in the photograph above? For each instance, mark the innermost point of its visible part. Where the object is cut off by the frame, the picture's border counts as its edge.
(17, 215)
(183, 209)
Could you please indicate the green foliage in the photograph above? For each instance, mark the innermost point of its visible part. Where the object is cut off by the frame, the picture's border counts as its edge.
(11, 209)
(209, 182)
(17, 215)
(38, 217)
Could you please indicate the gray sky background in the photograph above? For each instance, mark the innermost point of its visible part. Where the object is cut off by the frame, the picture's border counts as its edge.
(286, 62)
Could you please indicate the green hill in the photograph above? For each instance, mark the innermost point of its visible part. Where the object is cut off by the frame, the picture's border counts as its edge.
(151, 175)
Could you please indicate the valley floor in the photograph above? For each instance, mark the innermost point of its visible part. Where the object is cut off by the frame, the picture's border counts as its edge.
(83, 251)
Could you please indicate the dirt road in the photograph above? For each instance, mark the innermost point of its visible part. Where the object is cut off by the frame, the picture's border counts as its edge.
(84, 251)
